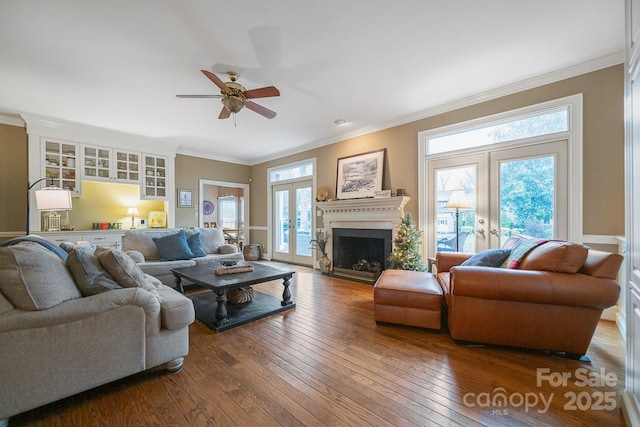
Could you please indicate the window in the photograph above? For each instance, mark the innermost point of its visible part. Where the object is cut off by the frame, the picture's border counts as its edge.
(228, 212)
(512, 129)
(291, 171)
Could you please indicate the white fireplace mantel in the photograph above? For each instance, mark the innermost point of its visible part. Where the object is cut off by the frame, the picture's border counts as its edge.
(384, 213)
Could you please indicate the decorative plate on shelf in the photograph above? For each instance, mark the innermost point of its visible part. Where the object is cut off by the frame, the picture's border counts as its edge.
(207, 207)
(322, 194)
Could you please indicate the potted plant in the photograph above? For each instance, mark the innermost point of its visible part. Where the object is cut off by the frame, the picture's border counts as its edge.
(320, 244)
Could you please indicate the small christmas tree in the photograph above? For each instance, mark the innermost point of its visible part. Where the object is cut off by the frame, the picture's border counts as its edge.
(406, 252)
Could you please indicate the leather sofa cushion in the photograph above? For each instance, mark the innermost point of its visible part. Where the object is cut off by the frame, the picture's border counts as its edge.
(602, 264)
(556, 256)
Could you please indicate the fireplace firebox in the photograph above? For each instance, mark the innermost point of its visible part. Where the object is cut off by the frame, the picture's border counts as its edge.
(361, 254)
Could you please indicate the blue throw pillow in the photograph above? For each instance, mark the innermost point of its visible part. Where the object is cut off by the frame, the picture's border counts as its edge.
(173, 247)
(196, 245)
(489, 258)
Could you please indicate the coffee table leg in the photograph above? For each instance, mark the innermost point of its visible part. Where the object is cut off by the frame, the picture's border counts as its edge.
(286, 295)
(221, 311)
(179, 287)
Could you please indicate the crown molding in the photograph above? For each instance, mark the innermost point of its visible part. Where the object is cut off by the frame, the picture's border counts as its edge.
(88, 134)
(208, 156)
(519, 86)
(12, 121)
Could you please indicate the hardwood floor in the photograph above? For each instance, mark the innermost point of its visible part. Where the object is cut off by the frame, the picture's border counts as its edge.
(327, 363)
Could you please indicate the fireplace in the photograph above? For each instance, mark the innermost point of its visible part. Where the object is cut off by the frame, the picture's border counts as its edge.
(362, 233)
(360, 253)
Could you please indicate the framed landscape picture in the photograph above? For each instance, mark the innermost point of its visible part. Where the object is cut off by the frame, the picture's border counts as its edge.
(360, 176)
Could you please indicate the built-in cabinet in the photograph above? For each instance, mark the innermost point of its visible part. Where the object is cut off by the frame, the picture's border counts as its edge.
(107, 239)
(155, 177)
(105, 164)
(70, 153)
(64, 162)
(60, 161)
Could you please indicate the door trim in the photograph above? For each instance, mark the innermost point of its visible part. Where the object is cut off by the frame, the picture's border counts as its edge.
(575, 153)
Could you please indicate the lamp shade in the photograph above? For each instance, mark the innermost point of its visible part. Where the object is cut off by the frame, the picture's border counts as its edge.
(458, 200)
(132, 211)
(53, 199)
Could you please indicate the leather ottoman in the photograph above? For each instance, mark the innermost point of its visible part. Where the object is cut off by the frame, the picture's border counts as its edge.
(410, 298)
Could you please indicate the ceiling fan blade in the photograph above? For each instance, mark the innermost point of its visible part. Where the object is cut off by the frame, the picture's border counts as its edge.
(260, 109)
(198, 96)
(224, 114)
(263, 92)
(216, 80)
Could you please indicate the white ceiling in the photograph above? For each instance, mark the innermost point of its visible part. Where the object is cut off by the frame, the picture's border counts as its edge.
(118, 64)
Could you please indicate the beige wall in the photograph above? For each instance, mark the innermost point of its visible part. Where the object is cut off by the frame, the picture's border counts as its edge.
(603, 159)
(190, 170)
(13, 178)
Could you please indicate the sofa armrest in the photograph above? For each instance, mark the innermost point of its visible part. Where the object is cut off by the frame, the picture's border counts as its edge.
(539, 287)
(82, 308)
(176, 310)
(446, 260)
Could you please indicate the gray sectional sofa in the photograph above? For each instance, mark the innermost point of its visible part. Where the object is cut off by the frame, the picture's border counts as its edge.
(62, 333)
(143, 247)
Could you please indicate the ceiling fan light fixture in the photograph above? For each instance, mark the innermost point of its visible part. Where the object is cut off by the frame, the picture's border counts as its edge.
(233, 103)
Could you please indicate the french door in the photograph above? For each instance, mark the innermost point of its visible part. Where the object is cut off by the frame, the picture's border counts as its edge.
(507, 191)
(292, 228)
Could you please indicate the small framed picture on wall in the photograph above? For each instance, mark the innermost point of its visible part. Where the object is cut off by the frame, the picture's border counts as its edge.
(185, 198)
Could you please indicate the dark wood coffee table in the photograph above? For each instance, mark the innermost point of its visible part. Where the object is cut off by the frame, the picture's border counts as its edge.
(215, 312)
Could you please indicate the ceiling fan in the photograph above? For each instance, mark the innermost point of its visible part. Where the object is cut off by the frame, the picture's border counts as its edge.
(234, 96)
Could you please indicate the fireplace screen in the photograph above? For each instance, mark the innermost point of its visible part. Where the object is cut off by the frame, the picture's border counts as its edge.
(360, 253)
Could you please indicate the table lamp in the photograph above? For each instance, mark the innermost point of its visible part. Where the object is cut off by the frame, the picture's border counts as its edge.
(133, 212)
(53, 199)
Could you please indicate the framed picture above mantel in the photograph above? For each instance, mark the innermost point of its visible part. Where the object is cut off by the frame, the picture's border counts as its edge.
(361, 175)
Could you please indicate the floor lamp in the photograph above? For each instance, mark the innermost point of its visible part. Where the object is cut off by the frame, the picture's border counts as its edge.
(457, 201)
(50, 199)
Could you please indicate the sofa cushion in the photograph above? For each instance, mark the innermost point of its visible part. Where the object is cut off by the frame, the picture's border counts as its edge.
(123, 269)
(555, 255)
(135, 255)
(212, 239)
(142, 241)
(195, 244)
(34, 278)
(227, 249)
(91, 278)
(173, 247)
(488, 258)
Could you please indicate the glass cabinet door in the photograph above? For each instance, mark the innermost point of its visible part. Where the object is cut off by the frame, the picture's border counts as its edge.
(127, 166)
(60, 165)
(155, 173)
(97, 163)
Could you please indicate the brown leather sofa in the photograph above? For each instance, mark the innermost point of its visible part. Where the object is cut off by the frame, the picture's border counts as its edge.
(552, 301)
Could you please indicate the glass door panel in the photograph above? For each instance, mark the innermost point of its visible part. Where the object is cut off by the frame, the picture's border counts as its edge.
(455, 209)
(529, 192)
(293, 227)
(303, 221)
(527, 198)
(281, 223)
